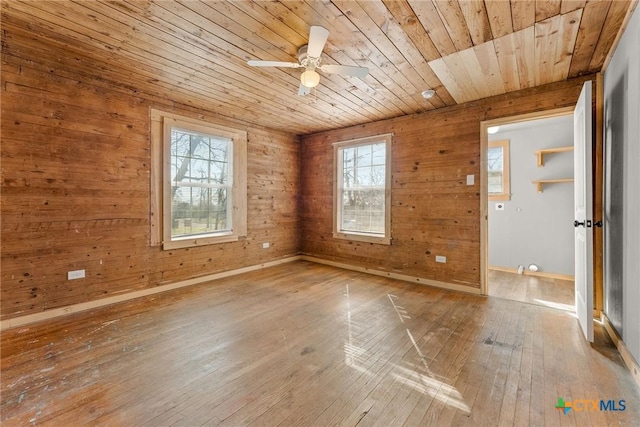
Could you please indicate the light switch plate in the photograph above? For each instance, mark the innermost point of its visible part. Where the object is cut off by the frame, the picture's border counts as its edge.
(471, 179)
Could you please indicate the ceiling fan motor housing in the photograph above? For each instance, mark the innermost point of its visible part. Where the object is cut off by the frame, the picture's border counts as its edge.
(306, 60)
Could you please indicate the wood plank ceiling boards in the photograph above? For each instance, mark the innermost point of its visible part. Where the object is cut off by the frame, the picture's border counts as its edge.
(196, 52)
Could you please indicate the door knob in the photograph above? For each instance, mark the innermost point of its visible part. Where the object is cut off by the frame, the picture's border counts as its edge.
(578, 224)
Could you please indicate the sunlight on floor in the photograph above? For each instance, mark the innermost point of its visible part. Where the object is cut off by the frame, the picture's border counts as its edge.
(433, 387)
(425, 383)
(557, 305)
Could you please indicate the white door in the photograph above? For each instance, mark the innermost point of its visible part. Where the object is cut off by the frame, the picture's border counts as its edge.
(582, 118)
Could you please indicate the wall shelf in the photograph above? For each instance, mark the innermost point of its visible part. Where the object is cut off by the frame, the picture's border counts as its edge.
(541, 153)
(540, 182)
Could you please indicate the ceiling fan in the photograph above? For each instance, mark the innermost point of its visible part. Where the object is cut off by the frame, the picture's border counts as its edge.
(309, 59)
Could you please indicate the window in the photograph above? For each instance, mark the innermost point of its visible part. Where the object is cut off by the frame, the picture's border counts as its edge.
(202, 188)
(362, 190)
(498, 170)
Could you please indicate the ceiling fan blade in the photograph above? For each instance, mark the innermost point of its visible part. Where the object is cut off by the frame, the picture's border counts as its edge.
(345, 70)
(257, 63)
(317, 38)
(303, 90)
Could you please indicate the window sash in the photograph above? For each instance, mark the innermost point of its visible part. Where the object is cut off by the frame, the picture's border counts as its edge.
(498, 170)
(200, 185)
(370, 181)
(361, 164)
(207, 220)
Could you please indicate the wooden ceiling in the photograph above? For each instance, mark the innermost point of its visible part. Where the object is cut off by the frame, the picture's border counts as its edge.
(195, 52)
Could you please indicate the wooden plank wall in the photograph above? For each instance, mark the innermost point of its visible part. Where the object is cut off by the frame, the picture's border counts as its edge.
(433, 211)
(76, 182)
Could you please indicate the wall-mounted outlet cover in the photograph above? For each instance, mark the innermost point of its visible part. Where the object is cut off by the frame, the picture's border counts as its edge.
(440, 258)
(265, 245)
(471, 179)
(75, 274)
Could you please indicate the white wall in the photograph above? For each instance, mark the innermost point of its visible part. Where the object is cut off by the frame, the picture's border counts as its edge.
(622, 187)
(535, 228)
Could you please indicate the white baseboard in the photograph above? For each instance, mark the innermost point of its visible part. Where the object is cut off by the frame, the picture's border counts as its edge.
(404, 277)
(628, 358)
(76, 308)
(534, 273)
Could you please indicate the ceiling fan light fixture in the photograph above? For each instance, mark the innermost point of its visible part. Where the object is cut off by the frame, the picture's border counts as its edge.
(310, 78)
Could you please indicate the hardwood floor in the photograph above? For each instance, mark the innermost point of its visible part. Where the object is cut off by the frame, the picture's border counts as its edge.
(555, 293)
(303, 344)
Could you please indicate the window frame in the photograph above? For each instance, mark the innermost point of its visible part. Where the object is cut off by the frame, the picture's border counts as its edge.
(161, 125)
(506, 189)
(385, 239)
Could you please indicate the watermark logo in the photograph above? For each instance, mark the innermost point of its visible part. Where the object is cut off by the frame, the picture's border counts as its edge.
(586, 405)
(563, 406)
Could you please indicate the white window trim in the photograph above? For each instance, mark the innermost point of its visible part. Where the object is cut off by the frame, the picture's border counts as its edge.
(352, 235)
(161, 123)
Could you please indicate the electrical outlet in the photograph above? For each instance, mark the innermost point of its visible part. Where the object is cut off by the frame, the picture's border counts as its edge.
(75, 274)
(265, 245)
(440, 258)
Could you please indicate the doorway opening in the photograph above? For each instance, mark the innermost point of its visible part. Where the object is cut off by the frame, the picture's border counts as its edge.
(528, 208)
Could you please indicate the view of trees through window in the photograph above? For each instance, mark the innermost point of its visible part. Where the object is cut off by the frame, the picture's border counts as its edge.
(495, 162)
(200, 183)
(363, 188)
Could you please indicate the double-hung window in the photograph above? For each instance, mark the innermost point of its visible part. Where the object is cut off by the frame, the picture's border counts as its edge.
(362, 189)
(203, 182)
(498, 170)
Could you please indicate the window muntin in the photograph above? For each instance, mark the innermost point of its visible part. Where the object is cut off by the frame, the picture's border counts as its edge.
(362, 189)
(498, 170)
